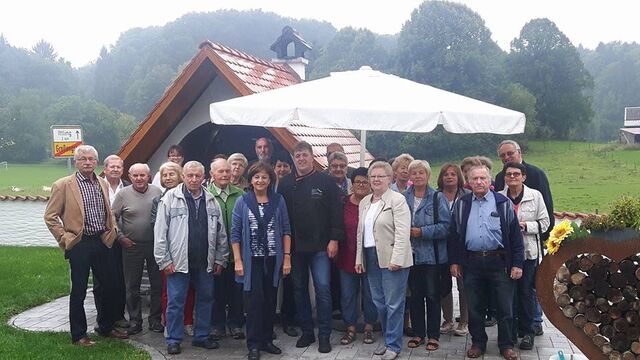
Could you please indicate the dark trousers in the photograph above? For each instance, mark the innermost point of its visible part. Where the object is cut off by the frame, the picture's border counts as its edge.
(227, 296)
(525, 299)
(335, 288)
(114, 264)
(90, 254)
(425, 288)
(288, 306)
(134, 259)
(261, 302)
(485, 278)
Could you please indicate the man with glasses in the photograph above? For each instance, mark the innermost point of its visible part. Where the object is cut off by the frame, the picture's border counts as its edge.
(338, 164)
(509, 151)
(79, 217)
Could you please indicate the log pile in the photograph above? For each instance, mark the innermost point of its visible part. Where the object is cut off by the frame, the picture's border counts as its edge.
(601, 298)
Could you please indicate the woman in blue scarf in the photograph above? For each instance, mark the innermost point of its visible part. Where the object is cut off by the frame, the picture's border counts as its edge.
(261, 241)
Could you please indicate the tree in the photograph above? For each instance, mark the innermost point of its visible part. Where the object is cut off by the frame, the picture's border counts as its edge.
(349, 50)
(447, 45)
(45, 50)
(544, 61)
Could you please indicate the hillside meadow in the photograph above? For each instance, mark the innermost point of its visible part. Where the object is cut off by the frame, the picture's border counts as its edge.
(584, 177)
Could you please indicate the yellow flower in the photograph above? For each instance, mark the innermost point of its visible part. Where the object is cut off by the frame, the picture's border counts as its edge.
(552, 246)
(561, 231)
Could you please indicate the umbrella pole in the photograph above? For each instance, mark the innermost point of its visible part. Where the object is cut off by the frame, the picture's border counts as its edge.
(363, 146)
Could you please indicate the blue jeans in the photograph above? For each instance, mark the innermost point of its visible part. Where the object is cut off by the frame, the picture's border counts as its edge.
(525, 299)
(177, 286)
(320, 266)
(388, 290)
(350, 286)
(487, 278)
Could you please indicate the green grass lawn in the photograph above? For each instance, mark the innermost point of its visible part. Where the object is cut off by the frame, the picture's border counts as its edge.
(32, 276)
(32, 177)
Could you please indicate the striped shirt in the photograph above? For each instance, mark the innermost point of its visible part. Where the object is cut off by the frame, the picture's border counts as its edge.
(95, 214)
(256, 246)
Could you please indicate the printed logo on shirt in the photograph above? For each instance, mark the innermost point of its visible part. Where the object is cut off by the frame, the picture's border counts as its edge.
(316, 193)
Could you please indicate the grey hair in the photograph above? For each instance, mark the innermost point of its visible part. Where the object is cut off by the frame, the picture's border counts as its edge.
(486, 162)
(401, 160)
(170, 165)
(483, 167)
(381, 164)
(141, 165)
(83, 149)
(420, 163)
(214, 163)
(193, 164)
(337, 155)
(110, 158)
(238, 156)
(508, 142)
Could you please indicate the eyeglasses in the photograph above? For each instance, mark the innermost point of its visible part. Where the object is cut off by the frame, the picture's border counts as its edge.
(378, 177)
(507, 154)
(361, 183)
(84, 159)
(338, 166)
(513, 174)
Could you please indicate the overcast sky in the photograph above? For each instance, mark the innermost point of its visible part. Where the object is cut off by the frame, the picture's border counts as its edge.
(77, 29)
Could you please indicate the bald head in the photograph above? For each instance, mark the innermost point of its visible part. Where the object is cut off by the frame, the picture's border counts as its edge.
(139, 176)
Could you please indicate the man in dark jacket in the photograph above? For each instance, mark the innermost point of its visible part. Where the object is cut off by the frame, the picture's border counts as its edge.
(315, 212)
(486, 249)
(509, 151)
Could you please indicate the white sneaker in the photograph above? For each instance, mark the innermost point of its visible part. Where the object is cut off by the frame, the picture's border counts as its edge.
(389, 355)
(188, 330)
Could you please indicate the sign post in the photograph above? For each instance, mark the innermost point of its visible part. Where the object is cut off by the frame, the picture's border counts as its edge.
(65, 139)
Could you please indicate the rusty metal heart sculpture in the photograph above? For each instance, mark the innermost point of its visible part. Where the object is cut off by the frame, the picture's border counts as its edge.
(585, 311)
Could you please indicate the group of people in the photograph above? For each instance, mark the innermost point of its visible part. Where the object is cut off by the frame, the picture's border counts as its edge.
(380, 241)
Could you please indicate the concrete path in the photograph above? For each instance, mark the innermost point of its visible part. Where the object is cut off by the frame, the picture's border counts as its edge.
(53, 316)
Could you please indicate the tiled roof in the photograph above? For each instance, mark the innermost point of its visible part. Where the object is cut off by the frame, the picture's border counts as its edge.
(257, 74)
(261, 75)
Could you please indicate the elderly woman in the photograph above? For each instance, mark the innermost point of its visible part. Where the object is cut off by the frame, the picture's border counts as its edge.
(261, 241)
(451, 185)
(384, 251)
(338, 165)
(238, 164)
(170, 174)
(175, 154)
(430, 219)
(534, 220)
(400, 169)
(351, 283)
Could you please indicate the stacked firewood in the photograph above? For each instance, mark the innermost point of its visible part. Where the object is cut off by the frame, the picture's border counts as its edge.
(601, 297)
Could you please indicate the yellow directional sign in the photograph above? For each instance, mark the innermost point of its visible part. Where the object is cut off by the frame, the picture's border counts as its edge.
(65, 139)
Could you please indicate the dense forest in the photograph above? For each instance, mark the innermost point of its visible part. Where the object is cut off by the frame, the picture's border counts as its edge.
(566, 92)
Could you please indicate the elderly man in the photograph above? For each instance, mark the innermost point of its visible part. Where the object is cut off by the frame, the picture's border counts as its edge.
(317, 225)
(510, 151)
(190, 246)
(338, 165)
(264, 149)
(227, 292)
(80, 219)
(113, 166)
(486, 248)
(132, 209)
(333, 147)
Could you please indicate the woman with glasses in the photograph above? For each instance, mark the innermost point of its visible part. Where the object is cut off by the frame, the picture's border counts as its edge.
(534, 220)
(384, 252)
(351, 283)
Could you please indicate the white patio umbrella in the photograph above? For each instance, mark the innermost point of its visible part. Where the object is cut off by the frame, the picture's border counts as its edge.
(364, 100)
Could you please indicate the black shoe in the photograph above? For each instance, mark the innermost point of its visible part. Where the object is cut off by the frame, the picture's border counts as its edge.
(408, 332)
(272, 349)
(173, 349)
(527, 342)
(136, 329)
(207, 344)
(537, 327)
(156, 327)
(305, 340)
(254, 354)
(324, 346)
(290, 330)
(489, 322)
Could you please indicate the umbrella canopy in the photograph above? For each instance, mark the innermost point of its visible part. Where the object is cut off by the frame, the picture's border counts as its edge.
(366, 99)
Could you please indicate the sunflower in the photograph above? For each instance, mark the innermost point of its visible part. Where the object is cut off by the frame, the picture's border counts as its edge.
(561, 231)
(552, 246)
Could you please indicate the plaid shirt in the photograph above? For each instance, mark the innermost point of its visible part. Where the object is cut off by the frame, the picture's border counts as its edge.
(95, 221)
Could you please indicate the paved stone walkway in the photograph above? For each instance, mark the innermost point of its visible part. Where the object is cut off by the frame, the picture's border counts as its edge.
(53, 316)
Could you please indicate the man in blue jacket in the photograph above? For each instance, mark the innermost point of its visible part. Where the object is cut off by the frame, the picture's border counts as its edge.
(486, 249)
